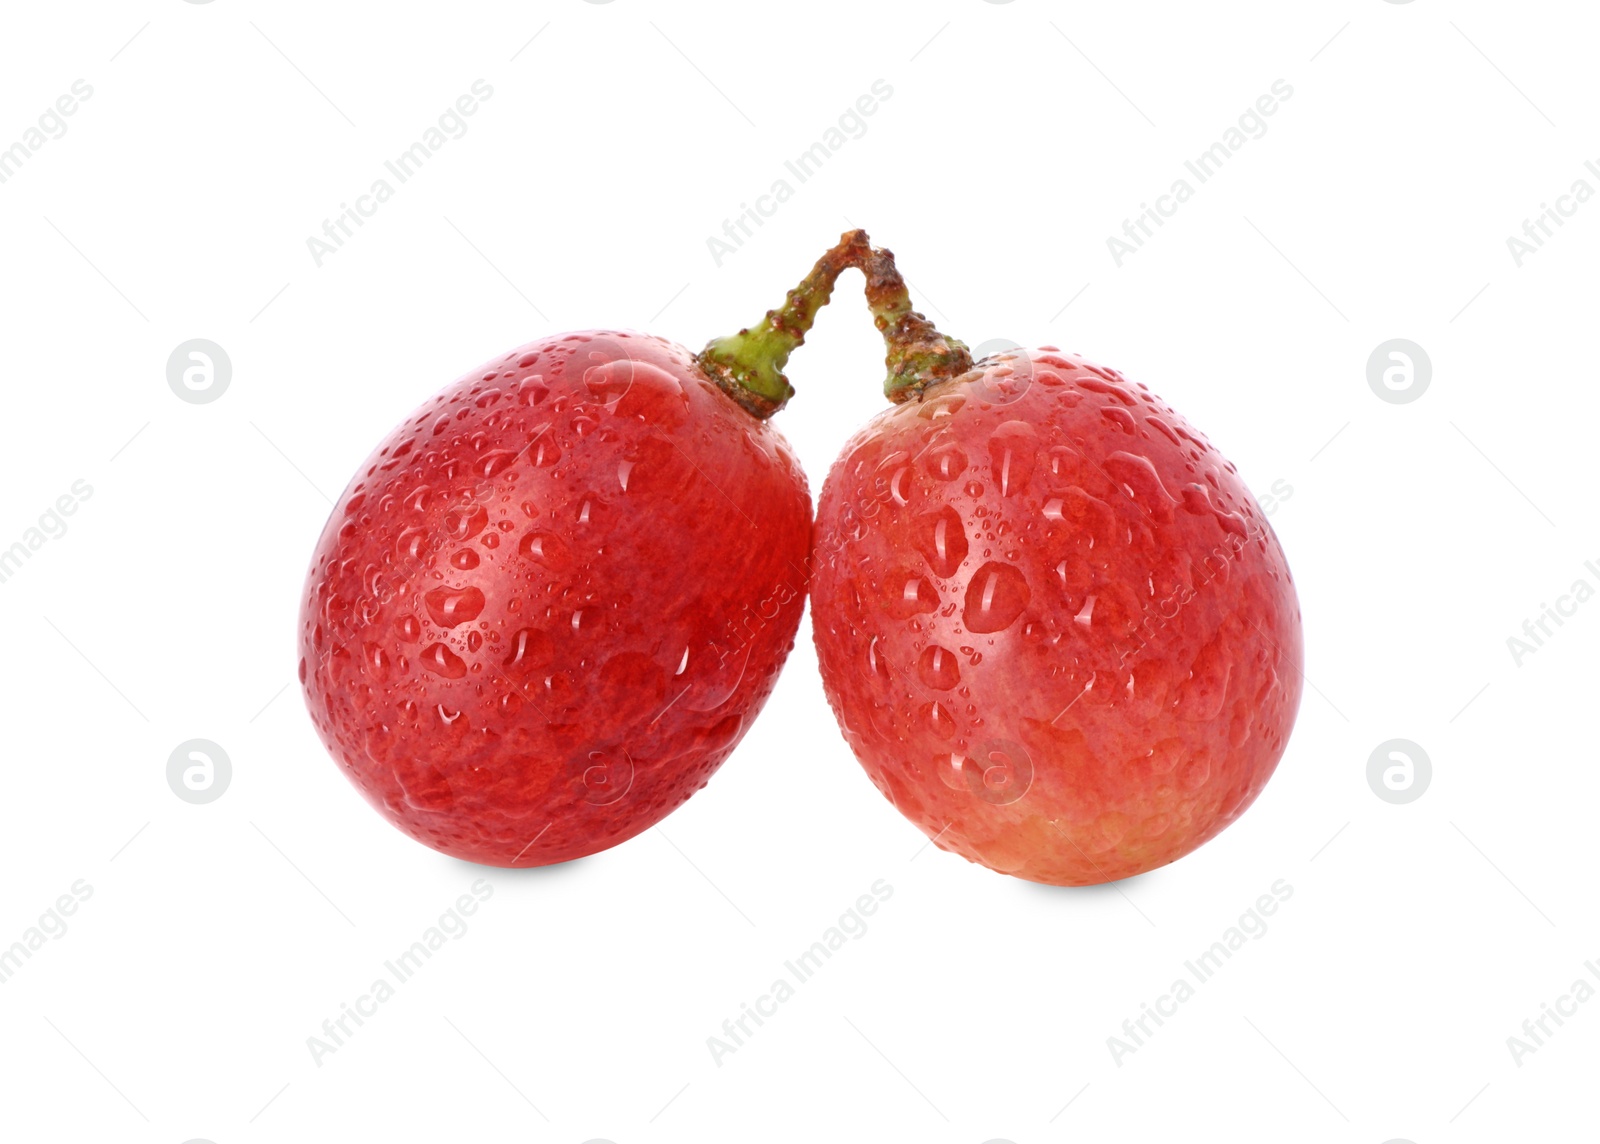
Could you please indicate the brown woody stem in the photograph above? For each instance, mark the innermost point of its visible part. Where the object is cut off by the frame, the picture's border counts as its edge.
(918, 355)
(749, 365)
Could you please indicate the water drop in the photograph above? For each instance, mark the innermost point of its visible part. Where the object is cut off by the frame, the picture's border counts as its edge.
(877, 664)
(449, 607)
(910, 595)
(639, 389)
(531, 649)
(417, 500)
(496, 462)
(1085, 513)
(465, 521)
(412, 545)
(948, 768)
(377, 661)
(544, 453)
(900, 485)
(947, 463)
(1139, 478)
(996, 596)
(1012, 449)
(442, 661)
(938, 668)
(541, 547)
(1119, 417)
(941, 540)
(945, 407)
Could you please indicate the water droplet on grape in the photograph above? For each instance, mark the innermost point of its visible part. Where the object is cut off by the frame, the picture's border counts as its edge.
(442, 661)
(942, 541)
(531, 649)
(1141, 481)
(496, 462)
(1119, 417)
(1012, 449)
(900, 485)
(465, 521)
(449, 607)
(910, 595)
(876, 663)
(377, 661)
(551, 551)
(938, 668)
(412, 545)
(947, 463)
(948, 768)
(996, 596)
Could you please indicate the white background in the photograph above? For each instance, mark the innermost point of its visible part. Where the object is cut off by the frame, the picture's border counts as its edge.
(219, 937)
